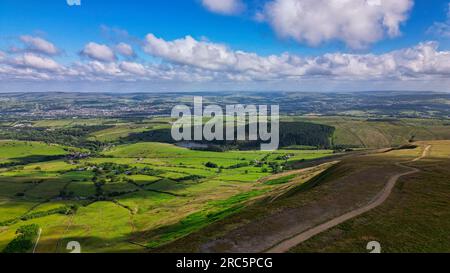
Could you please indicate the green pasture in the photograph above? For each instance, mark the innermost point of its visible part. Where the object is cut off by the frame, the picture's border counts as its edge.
(11, 150)
(146, 210)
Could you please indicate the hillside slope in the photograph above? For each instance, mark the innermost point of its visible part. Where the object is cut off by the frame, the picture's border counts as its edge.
(351, 184)
(380, 133)
(415, 218)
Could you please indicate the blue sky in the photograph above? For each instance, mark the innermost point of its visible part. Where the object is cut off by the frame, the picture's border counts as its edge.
(239, 45)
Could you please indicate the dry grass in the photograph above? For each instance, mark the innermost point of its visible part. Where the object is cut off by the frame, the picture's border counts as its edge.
(415, 218)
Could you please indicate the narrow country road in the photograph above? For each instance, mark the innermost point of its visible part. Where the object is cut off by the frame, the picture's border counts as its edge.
(286, 245)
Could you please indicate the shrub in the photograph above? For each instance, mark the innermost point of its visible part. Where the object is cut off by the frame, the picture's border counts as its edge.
(211, 165)
(24, 241)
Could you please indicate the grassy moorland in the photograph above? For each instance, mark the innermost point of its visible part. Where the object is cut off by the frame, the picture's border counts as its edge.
(380, 133)
(415, 218)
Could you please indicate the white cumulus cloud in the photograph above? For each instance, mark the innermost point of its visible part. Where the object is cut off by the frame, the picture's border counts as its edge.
(39, 45)
(99, 52)
(133, 68)
(125, 50)
(30, 60)
(422, 60)
(194, 61)
(190, 51)
(357, 23)
(226, 7)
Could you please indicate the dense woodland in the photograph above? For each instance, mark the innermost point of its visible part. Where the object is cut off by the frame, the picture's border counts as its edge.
(291, 133)
(71, 136)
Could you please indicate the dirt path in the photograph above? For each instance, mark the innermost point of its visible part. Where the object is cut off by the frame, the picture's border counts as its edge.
(284, 246)
(37, 240)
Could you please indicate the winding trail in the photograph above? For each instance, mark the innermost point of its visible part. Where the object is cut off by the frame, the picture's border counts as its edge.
(286, 245)
(37, 240)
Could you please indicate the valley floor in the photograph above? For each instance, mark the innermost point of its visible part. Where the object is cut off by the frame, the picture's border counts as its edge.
(132, 197)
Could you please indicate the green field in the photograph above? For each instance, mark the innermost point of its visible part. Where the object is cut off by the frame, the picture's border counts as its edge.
(17, 151)
(131, 197)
